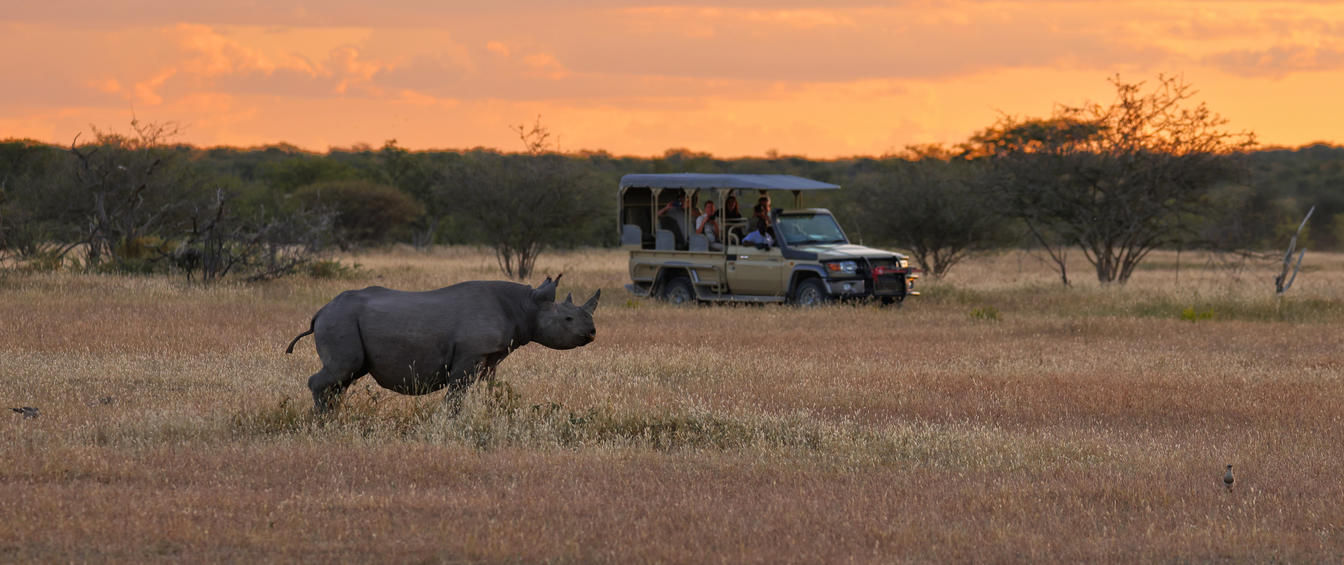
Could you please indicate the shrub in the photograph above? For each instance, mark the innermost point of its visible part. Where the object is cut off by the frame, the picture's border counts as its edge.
(333, 269)
(1192, 315)
(366, 212)
(988, 313)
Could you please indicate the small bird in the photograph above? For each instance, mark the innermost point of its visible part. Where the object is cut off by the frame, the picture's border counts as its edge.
(1227, 478)
(27, 411)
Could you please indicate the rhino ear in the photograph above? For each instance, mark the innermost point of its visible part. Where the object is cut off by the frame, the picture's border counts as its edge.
(545, 292)
(591, 305)
(569, 299)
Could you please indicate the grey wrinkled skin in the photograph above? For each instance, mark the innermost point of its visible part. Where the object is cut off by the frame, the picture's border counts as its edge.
(421, 342)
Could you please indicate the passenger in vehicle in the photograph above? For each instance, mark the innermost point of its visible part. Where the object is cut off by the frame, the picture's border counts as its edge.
(708, 225)
(730, 211)
(762, 210)
(732, 220)
(676, 211)
(760, 237)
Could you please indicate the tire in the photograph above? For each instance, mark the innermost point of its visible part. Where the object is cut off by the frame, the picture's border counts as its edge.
(811, 292)
(890, 300)
(678, 291)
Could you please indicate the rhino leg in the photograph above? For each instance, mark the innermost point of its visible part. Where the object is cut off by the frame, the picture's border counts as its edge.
(465, 372)
(328, 386)
(342, 355)
(489, 364)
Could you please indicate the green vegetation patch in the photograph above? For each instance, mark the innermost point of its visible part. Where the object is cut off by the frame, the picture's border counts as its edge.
(1227, 309)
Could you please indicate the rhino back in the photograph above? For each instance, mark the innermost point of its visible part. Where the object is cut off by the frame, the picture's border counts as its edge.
(413, 335)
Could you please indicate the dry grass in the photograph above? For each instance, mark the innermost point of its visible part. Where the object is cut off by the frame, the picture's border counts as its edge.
(999, 417)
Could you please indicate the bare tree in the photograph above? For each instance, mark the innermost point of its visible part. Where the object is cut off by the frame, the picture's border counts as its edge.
(1283, 282)
(261, 247)
(1113, 180)
(133, 184)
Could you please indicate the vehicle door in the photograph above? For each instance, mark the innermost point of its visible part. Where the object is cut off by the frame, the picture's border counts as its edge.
(755, 271)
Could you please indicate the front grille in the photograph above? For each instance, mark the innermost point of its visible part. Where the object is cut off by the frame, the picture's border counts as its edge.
(888, 277)
(889, 284)
(867, 264)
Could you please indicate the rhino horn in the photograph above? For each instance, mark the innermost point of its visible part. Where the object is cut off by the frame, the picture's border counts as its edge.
(545, 292)
(591, 305)
(569, 299)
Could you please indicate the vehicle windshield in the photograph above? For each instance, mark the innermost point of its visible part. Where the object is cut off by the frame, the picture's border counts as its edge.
(810, 229)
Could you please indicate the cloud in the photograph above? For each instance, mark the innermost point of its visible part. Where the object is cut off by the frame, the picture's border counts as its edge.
(147, 91)
(498, 48)
(734, 77)
(1279, 61)
(207, 59)
(834, 44)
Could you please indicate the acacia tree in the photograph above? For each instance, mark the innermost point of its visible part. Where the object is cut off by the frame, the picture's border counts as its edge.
(415, 176)
(524, 203)
(1113, 180)
(933, 206)
(31, 205)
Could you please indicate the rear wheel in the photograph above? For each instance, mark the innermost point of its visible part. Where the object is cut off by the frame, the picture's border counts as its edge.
(678, 291)
(811, 292)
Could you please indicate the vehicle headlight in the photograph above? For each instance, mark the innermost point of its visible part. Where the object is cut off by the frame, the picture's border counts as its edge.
(843, 267)
(905, 263)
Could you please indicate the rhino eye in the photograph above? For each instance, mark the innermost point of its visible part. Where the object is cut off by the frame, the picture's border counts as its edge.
(569, 318)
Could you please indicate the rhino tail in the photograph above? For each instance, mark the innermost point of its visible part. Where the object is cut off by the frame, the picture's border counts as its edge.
(296, 339)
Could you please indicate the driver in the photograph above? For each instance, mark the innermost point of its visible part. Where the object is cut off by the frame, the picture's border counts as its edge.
(759, 237)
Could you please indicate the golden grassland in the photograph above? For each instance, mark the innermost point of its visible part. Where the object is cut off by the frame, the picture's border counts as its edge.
(999, 417)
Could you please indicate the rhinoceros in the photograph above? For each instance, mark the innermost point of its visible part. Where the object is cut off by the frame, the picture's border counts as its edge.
(421, 342)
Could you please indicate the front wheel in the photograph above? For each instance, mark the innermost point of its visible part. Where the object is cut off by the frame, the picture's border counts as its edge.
(811, 292)
(678, 291)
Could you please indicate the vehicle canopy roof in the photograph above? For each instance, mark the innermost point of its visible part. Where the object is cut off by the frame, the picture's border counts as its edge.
(705, 180)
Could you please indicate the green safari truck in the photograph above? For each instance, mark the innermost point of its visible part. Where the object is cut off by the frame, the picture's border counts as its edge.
(681, 253)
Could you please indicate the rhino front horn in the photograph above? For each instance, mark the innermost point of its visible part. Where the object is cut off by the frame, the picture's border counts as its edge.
(591, 305)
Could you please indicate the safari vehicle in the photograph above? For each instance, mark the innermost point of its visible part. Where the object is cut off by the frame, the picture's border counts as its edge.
(810, 260)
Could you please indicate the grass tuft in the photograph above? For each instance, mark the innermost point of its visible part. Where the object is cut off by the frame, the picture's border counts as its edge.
(985, 313)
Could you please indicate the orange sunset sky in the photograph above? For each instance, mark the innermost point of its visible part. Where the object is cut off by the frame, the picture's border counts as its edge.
(820, 79)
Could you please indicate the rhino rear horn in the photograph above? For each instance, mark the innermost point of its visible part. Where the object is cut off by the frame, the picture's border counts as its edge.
(591, 305)
(545, 292)
(569, 299)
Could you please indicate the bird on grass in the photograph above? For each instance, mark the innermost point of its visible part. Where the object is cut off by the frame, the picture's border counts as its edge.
(1227, 478)
(27, 411)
